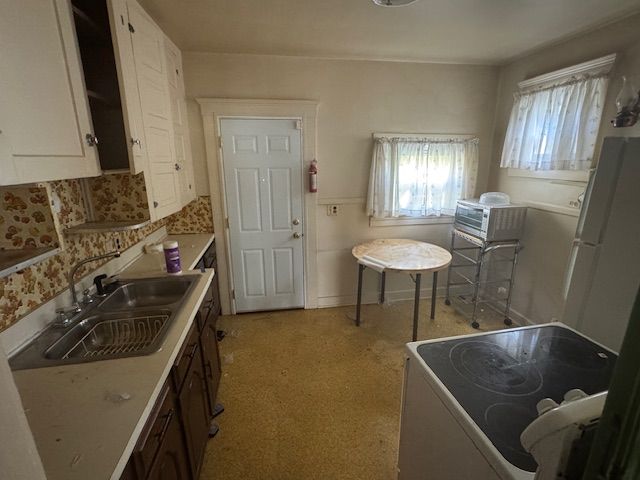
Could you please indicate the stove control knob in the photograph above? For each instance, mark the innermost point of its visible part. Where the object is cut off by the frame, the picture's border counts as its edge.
(575, 394)
(546, 404)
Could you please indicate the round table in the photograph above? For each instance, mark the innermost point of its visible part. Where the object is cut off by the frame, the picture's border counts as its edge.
(402, 256)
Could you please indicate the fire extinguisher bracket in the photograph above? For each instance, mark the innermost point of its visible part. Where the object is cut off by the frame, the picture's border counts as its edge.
(313, 176)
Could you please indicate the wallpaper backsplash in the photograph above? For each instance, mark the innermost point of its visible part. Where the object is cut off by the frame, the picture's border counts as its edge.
(24, 291)
(118, 197)
(25, 219)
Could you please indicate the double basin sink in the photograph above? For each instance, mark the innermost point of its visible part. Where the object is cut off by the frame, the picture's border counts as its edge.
(131, 321)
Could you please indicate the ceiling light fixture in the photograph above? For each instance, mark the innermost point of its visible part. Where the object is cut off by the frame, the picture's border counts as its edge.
(394, 3)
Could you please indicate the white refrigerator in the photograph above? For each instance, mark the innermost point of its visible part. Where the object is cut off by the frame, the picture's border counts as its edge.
(603, 274)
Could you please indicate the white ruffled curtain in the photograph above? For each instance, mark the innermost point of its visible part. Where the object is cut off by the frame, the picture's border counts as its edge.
(419, 178)
(555, 127)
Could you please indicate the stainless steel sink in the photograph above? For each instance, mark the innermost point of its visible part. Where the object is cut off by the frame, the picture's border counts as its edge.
(151, 293)
(131, 321)
(112, 336)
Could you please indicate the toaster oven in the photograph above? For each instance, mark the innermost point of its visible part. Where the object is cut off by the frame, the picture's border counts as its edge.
(490, 222)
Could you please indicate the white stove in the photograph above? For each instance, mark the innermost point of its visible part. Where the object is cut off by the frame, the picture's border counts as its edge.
(467, 400)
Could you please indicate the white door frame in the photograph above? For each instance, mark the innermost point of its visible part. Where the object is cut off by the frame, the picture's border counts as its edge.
(215, 109)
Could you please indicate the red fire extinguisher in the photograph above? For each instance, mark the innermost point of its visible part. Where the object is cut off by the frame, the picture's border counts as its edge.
(313, 176)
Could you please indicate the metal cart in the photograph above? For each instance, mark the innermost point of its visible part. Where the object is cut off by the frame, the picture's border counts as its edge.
(471, 252)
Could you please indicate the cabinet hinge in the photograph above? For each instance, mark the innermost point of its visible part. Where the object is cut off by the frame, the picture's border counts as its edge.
(298, 124)
(219, 141)
(233, 294)
(226, 221)
(131, 29)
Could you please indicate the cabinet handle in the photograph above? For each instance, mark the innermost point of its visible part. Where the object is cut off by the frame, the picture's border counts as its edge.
(136, 141)
(92, 140)
(178, 167)
(192, 353)
(165, 426)
(209, 370)
(208, 304)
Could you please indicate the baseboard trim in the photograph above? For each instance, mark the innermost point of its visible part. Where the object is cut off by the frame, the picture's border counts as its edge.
(369, 298)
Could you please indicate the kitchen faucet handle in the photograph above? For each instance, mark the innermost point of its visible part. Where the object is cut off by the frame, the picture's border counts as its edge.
(64, 316)
(97, 281)
(86, 296)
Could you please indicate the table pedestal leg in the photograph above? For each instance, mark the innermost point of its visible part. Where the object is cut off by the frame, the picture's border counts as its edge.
(416, 307)
(359, 301)
(434, 289)
(382, 285)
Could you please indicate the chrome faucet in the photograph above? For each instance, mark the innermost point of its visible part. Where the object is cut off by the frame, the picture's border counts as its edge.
(72, 283)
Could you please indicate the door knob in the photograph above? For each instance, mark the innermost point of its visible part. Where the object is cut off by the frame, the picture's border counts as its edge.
(296, 221)
(296, 235)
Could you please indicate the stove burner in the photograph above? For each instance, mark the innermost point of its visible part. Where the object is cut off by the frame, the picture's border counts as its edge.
(573, 352)
(491, 367)
(505, 423)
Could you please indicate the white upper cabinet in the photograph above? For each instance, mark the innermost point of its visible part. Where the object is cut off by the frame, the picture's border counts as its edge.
(153, 85)
(180, 125)
(126, 69)
(44, 114)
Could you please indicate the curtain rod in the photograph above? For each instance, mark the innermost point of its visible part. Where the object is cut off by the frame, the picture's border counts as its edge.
(397, 139)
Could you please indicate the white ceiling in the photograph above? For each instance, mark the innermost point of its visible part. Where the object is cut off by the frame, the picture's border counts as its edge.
(464, 31)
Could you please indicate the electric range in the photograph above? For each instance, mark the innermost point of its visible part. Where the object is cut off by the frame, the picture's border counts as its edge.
(489, 385)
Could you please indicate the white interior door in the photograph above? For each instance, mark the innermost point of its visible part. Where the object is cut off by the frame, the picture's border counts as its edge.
(263, 184)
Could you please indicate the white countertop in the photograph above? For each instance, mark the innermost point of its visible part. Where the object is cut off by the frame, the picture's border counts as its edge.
(191, 246)
(86, 418)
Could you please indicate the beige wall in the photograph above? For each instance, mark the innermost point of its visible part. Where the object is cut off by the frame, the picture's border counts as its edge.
(538, 293)
(356, 99)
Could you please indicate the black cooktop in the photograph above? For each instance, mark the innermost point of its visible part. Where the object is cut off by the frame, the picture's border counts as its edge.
(498, 378)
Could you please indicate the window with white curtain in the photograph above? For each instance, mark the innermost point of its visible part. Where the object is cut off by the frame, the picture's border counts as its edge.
(420, 177)
(555, 119)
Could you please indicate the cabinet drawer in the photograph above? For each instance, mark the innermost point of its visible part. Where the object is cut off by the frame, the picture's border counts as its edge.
(209, 256)
(154, 431)
(185, 357)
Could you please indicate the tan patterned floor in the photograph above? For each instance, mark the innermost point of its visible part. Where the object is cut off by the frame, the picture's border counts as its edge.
(310, 396)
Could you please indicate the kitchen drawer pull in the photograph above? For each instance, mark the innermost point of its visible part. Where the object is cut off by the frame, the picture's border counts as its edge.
(165, 426)
(208, 304)
(209, 370)
(192, 353)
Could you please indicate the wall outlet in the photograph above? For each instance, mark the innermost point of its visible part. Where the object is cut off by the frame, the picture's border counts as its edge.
(333, 210)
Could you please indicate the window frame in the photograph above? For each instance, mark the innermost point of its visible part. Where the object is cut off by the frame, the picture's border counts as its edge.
(598, 65)
(375, 222)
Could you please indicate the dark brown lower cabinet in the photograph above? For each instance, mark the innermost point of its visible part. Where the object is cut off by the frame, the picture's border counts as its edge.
(194, 407)
(160, 453)
(211, 358)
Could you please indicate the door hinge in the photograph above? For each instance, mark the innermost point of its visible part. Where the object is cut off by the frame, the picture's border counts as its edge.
(226, 221)
(131, 29)
(220, 141)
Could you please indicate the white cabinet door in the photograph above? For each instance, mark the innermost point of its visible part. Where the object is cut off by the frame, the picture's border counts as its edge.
(263, 183)
(180, 125)
(148, 51)
(128, 82)
(44, 115)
